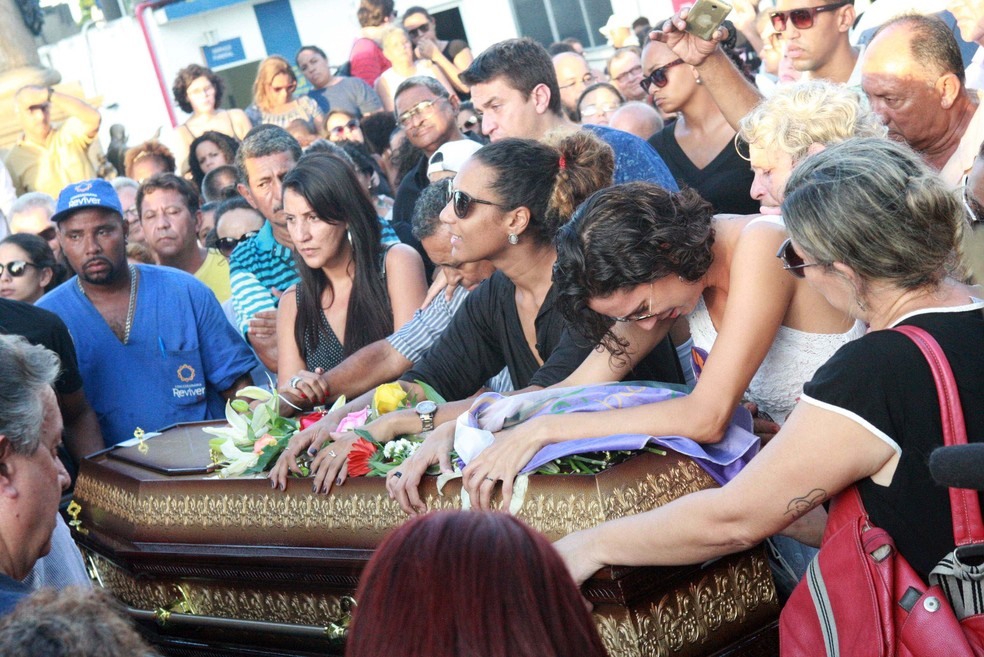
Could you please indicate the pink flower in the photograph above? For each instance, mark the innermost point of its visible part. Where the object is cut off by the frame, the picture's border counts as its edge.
(353, 420)
(263, 441)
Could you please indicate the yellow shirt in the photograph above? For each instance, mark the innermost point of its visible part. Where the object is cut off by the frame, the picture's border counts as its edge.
(214, 272)
(61, 161)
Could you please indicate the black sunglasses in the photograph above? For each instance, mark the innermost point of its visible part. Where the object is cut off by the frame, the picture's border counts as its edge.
(48, 233)
(226, 245)
(802, 19)
(417, 31)
(461, 202)
(17, 268)
(792, 261)
(658, 76)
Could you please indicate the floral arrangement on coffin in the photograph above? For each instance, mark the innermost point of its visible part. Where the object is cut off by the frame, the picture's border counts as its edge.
(255, 436)
(371, 458)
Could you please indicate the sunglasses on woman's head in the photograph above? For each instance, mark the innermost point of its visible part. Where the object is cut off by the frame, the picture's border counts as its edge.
(802, 19)
(658, 76)
(792, 261)
(16, 268)
(461, 202)
(226, 245)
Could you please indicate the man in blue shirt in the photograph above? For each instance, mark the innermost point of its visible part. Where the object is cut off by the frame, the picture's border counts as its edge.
(153, 345)
(514, 86)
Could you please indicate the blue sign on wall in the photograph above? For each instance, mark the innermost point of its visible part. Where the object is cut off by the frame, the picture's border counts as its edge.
(224, 53)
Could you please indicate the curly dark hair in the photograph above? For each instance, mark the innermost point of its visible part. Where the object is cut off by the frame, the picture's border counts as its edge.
(625, 236)
(149, 149)
(189, 74)
(228, 145)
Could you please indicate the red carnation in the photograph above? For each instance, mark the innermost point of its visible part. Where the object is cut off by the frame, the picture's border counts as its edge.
(358, 458)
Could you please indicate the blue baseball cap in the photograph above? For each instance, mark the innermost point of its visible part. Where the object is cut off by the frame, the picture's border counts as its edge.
(86, 194)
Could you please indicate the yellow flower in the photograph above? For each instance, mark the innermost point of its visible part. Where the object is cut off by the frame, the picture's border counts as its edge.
(388, 397)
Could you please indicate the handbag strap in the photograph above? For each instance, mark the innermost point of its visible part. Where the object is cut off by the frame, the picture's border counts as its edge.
(965, 503)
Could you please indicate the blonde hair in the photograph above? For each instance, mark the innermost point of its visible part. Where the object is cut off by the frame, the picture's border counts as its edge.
(806, 113)
(270, 68)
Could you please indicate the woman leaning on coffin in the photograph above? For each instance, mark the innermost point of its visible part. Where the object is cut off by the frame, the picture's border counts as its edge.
(873, 231)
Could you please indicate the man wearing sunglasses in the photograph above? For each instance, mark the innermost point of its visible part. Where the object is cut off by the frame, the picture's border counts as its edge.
(814, 34)
(514, 87)
(914, 78)
(47, 157)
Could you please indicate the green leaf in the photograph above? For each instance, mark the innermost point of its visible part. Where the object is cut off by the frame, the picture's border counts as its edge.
(365, 435)
(430, 393)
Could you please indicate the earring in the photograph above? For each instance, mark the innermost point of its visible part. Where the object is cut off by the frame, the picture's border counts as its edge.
(348, 234)
(513, 238)
(699, 81)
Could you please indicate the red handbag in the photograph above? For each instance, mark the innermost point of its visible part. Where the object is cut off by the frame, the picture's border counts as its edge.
(860, 597)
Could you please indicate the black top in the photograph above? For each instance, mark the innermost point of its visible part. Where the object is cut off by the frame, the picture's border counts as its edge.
(454, 47)
(883, 379)
(486, 335)
(45, 328)
(724, 183)
(406, 198)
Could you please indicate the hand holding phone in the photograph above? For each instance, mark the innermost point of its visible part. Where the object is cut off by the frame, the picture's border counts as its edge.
(706, 16)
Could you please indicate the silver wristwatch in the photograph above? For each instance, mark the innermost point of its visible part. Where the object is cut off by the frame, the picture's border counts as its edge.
(425, 411)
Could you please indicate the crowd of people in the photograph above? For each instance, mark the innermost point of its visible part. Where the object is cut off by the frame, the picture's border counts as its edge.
(744, 216)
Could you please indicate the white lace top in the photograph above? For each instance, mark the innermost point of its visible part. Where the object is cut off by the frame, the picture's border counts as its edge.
(790, 362)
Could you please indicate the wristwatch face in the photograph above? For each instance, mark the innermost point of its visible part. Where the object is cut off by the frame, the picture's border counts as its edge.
(426, 407)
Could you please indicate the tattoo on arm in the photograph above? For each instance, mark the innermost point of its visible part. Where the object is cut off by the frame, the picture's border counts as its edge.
(800, 505)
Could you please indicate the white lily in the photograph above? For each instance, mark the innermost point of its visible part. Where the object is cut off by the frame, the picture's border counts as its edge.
(261, 420)
(238, 460)
(255, 392)
(238, 422)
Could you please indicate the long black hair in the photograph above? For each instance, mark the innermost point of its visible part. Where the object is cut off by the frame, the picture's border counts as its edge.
(333, 191)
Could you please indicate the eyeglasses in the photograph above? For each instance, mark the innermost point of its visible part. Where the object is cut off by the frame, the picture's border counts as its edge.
(48, 233)
(658, 76)
(226, 245)
(586, 79)
(346, 127)
(792, 261)
(417, 31)
(131, 214)
(803, 18)
(417, 109)
(593, 110)
(631, 73)
(638, 317)
(461, 202)
(17, 268)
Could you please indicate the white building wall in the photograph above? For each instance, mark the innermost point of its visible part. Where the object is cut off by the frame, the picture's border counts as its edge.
(112, 60)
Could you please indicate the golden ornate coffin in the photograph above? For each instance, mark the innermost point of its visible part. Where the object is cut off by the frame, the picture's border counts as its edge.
(213, 566)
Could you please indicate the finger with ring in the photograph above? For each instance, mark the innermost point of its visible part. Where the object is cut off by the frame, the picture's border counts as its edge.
(397, 474)
(294, 380)
(332, 453)
(489, 479)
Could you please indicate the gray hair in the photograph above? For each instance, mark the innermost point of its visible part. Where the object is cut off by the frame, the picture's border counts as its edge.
(25, 370)
(873, 205)
(425, 81)
(265, 140)
(122, 182)
(427, 212)
(32, 200)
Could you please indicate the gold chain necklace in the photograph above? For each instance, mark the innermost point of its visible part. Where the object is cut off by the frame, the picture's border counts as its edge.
(130, 307)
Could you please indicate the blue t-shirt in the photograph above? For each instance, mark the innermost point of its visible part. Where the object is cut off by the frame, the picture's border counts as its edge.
(11, 593)
(635, 159)
(182, 353)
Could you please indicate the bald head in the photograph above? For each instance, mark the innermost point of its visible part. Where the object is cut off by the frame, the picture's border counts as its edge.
(637, 118)
(913, 77)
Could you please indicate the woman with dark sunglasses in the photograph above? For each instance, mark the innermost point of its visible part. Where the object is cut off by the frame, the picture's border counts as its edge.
(505, 205)
(878, 229)
(699, 146)
(27, 268)
(452, 57)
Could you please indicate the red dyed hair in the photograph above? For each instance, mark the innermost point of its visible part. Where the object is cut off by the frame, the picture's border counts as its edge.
(469, 584)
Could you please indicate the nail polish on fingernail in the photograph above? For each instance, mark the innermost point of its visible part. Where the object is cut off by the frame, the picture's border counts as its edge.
(339, 481)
